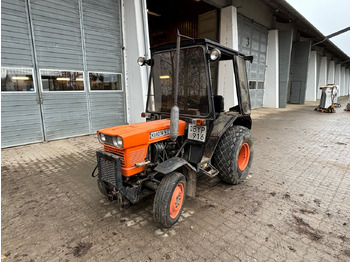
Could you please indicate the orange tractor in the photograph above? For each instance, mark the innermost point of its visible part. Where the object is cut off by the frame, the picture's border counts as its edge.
(187, 131)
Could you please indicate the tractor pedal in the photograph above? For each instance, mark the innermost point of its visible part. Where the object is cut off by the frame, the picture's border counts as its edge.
(209, 170)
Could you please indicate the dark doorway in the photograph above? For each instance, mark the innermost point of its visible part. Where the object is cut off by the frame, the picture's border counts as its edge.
(192, 17)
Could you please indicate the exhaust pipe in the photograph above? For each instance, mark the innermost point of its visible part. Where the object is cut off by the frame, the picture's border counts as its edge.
(175, 112)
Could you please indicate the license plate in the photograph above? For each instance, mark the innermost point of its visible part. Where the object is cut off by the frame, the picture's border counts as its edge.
(197, 133)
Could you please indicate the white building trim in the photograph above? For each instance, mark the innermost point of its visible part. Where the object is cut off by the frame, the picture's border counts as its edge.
(135, 45)
(229, 38)
(322, 80)
(271, 95)
(311, 84)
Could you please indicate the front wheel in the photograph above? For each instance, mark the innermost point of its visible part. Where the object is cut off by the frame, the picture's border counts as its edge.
(234, 154)
(169, 199)
(104, 188)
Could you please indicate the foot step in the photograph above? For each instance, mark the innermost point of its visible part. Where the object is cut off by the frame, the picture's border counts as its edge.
(209, 170)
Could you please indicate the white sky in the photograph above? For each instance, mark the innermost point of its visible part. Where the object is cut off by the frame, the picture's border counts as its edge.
(328, 16)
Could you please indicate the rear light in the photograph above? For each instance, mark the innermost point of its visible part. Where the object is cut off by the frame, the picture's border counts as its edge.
(198, 122)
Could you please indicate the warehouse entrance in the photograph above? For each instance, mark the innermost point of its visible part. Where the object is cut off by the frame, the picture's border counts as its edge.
(193, 18)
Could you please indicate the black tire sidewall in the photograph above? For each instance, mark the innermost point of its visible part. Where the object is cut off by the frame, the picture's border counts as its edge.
(162, 200)
(226, 154)
(103, 187)
(246, 138)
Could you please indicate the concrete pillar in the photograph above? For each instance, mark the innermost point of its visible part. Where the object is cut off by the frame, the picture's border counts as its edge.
(229, 38)
(311, 84)
(331, 72)
(337, 78)
(347, 86)
(322, 80)
(271, 94)
(134, 17)
(342, 80)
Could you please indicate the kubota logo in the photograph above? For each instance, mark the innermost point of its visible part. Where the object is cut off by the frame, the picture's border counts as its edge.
(159, 133)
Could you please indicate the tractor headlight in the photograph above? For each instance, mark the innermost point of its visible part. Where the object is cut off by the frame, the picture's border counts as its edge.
(118, 141)
(102, 138)
(215, 54)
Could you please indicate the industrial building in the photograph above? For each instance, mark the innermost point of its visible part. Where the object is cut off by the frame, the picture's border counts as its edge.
(68, 68)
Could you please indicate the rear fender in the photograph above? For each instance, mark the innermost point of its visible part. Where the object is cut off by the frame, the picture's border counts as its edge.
(221, 124)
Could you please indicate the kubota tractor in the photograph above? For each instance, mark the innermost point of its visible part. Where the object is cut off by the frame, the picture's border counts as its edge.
(187, 131)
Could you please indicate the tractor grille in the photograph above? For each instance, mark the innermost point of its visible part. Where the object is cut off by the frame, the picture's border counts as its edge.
(113, 150)
(108, 167)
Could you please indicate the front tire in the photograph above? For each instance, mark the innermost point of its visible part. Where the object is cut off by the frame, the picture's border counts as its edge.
(103, 187)
(234, 154)
(169, 199)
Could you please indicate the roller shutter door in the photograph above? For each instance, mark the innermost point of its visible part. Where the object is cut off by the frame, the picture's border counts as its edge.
(252, 39)
(71, 52)
(58, 44)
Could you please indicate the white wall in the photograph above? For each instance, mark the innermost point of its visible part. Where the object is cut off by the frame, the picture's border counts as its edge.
(347, 81)
(337, 78)
(331, 72)
(136, 77)
(229, 38)
(254, 9)
(322, 80)
(271, 98)
(342, 80)
(311, 84)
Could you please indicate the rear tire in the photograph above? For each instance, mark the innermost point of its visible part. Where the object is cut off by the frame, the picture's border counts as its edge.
(234, 154)
(169, 199)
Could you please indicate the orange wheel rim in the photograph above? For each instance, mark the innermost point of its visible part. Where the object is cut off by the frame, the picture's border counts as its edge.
(243, 157)
(177, 200)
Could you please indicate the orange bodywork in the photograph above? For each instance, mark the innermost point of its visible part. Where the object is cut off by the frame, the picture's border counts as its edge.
(136, 139)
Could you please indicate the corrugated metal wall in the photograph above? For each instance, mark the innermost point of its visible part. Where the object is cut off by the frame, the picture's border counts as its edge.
(15, 35)
(57, 34)
(65, 35)
(100, 23)
(102, 35)
(252, 39)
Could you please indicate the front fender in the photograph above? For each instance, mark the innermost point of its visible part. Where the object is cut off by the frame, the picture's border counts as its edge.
(172, 164)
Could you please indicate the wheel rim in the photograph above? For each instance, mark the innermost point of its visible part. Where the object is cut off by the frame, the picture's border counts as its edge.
(243, 157)
(176, 200)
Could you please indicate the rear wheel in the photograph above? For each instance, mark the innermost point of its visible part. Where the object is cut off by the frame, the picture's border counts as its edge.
(233, 155)
(169, 199)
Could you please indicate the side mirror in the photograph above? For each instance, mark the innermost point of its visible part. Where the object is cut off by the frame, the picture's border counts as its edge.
(249, 58)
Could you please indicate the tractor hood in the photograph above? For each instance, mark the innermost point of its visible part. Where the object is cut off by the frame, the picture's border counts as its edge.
(143, 133)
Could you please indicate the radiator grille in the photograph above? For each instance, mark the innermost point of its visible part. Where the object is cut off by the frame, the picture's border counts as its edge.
(113, 150)
(137, 156)
(107, 168)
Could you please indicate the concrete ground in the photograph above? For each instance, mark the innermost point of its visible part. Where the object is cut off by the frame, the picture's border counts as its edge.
(294, 206)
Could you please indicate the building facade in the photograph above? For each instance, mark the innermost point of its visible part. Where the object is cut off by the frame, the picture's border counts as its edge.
(68, 68)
